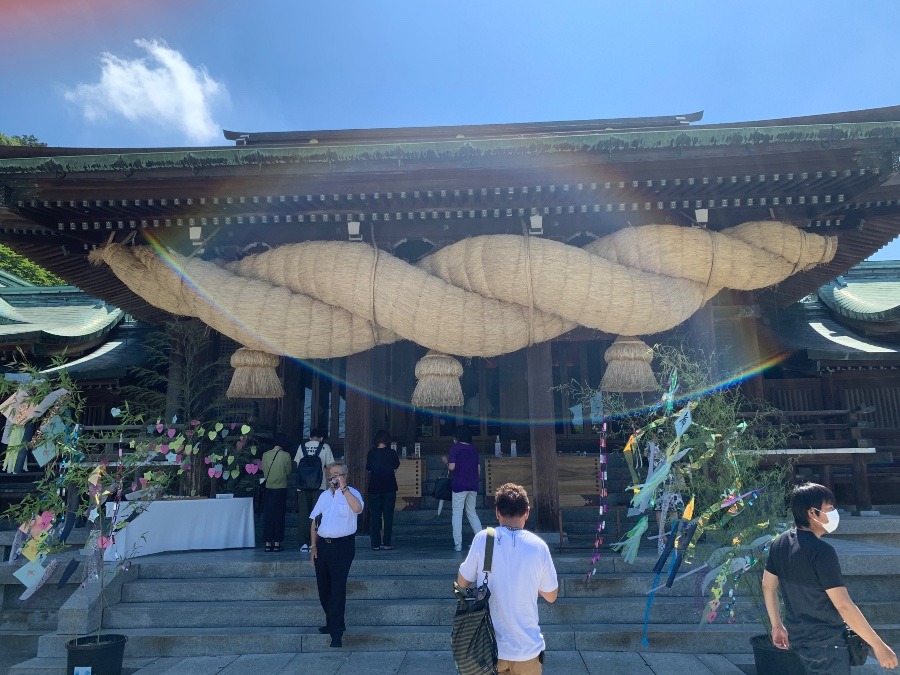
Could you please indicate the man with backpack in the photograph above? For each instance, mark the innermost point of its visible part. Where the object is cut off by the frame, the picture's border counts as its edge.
(311, 459)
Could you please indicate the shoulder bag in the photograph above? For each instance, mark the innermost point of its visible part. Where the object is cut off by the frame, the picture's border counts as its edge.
(859, 648)
(472, 639)
(259, 497)
(443, 488)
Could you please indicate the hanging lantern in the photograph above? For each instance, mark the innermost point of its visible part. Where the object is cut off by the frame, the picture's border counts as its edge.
(254, 375)
(438, 382)
(628, 367)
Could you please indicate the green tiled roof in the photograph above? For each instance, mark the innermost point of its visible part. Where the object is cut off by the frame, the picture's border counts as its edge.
(868, 292)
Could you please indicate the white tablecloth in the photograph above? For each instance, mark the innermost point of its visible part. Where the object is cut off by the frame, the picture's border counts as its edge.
(182, 525)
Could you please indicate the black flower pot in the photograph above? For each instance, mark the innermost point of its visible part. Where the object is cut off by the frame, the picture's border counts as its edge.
(103, 654)
(770, 660)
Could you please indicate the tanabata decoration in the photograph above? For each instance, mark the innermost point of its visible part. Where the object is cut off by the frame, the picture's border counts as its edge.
(602, 496)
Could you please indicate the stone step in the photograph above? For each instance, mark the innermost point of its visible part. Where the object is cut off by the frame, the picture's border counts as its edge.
(426, 586)
(163, 642)
(559, 662)
(291, 613)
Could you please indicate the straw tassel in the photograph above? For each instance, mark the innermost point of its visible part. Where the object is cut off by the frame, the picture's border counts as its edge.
(438, 382)
(254, 375)
(628, 367)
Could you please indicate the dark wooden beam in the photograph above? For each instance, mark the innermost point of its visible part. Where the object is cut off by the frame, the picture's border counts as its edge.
(545, 500)
(359, 417)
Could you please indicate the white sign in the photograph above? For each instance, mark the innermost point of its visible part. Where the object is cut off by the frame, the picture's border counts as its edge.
(683, 421)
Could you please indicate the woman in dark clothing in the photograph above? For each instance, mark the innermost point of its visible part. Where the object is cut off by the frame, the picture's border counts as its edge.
(381, 463)
(276, 467)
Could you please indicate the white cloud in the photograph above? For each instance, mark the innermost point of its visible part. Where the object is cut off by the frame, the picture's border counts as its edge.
(163, 90)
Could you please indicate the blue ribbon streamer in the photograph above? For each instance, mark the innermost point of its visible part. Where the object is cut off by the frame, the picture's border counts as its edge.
(645, 642)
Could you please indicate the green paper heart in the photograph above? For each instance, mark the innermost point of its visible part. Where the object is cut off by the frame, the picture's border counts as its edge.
(245, 429)
(211, 435)
(231, 460)
(219, 426)
(235, 473)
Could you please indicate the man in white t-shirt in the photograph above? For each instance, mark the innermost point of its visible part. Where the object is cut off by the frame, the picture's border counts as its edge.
(522, 569)
(307, 497)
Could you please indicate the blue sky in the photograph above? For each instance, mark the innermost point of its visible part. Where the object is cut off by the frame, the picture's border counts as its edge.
(132, 73)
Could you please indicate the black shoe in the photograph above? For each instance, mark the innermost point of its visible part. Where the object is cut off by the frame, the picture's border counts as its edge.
(324, 629)
(336, 641)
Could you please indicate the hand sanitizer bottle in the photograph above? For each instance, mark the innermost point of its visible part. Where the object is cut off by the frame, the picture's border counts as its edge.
(498, 449)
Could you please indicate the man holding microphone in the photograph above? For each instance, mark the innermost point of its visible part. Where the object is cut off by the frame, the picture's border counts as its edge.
(334, 546)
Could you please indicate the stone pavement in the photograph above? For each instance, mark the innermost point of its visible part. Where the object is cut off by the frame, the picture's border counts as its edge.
(346, 662)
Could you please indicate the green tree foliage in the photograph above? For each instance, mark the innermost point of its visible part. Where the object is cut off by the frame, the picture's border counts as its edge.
(10, 261)
(22, 139)
(22, 267)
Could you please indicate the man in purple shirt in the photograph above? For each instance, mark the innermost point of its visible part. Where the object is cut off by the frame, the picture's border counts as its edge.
(465, 472)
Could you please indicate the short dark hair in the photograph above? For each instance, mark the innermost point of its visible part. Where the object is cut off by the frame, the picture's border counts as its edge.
(382, 437)
(319, 432)
(511, 500)
(280, 441)
(462, 434)
(808, 496)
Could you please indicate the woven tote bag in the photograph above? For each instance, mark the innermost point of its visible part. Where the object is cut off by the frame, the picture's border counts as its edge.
(472, 639)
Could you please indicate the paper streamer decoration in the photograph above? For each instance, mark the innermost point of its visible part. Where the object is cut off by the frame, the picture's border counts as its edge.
(602, 510)
(36, 586)
(629, 545)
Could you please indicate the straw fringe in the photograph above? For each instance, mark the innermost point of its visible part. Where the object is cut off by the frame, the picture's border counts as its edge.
(254, 375)
(438, 383)
(628, 367)
(317, 299)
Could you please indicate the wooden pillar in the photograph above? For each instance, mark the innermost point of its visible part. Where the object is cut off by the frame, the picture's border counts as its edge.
(175, 384)
(544, 475)
(291, 423)
(359, 417)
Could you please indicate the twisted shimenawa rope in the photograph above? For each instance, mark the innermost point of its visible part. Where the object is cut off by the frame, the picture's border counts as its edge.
(315, 299)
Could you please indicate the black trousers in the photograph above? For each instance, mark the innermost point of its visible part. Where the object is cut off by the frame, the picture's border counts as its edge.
(381, 510)
(824, 658)
(306, 502)
(333, 560)
(274, 506)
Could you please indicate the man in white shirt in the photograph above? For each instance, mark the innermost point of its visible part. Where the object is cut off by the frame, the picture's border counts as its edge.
(307, 496)
(334, 546)
(522, 569)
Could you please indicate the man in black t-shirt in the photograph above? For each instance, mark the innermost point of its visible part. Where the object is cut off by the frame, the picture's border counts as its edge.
(816, 601)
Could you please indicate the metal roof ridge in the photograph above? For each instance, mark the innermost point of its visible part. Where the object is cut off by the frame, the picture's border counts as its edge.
(601, 142)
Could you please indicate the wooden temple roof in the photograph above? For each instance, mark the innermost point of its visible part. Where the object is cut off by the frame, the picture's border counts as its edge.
(420, 188)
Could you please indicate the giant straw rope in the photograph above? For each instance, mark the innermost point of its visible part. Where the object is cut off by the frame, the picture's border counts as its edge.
(482, 296)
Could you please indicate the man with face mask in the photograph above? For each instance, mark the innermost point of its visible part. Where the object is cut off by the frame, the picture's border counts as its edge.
(816, 601)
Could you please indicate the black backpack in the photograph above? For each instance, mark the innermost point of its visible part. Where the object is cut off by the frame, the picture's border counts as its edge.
(309, 470)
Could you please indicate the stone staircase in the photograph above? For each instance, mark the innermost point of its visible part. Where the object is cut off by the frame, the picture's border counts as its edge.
(248, 601)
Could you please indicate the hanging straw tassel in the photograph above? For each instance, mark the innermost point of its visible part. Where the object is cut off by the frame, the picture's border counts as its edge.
(628, 367)
(438, 385)
(254, 375)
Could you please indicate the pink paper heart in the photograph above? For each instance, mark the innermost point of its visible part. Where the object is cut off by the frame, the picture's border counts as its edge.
(233, 425)
(208, 460)
(143, 481)
(134, 487)
(178, 459)
(189, 432)
(211, 472)
(159, 427)
(195, 423)
(241, 443)
(104, 542)
(172, 433)
(164, 449)
(252, 468)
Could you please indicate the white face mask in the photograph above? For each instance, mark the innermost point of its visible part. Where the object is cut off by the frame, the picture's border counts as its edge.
(833, 519)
